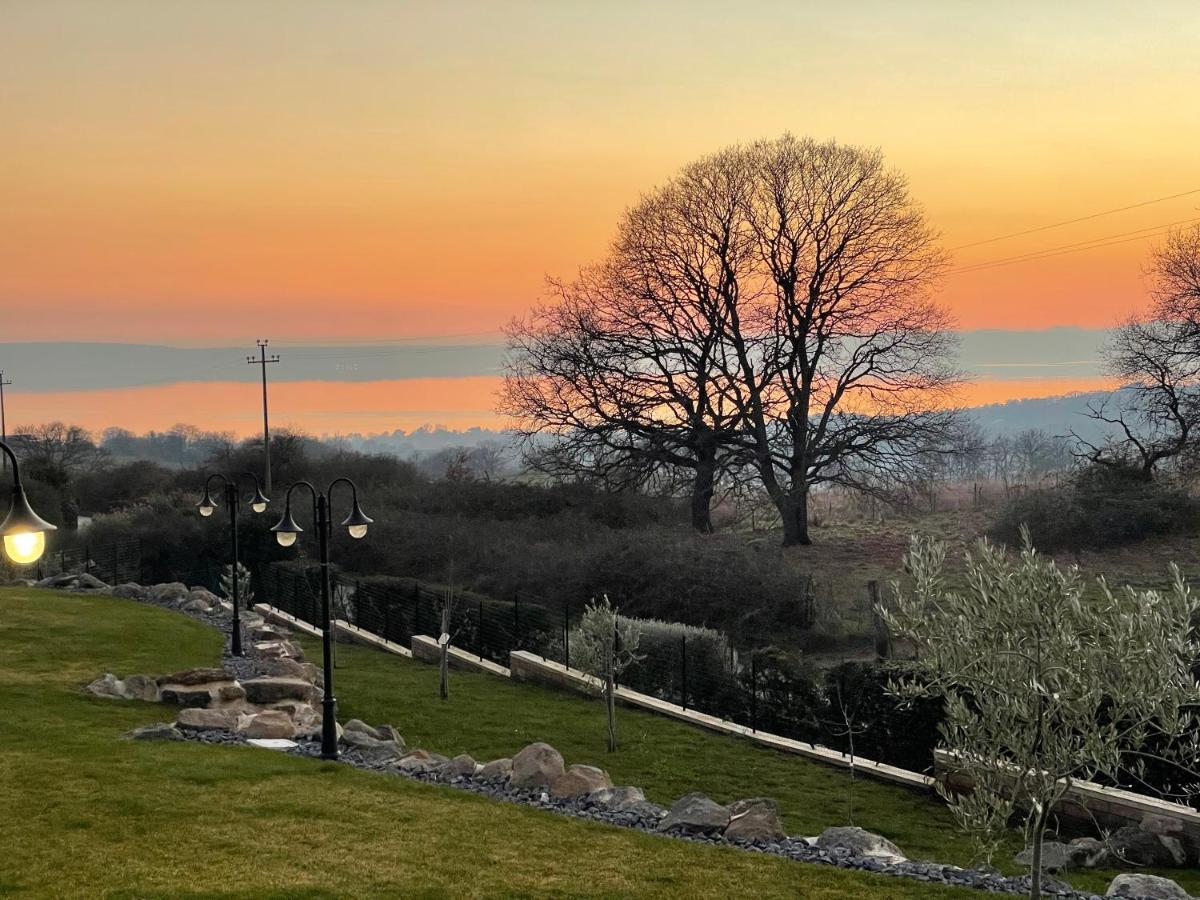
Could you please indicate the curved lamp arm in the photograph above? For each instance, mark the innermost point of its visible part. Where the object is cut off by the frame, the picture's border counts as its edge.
(287, 528)
(357, 521)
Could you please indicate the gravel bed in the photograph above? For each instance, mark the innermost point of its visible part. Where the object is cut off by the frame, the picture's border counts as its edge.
(646, 816)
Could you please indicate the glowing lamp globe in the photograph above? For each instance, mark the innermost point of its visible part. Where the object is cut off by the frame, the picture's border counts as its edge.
(24, 530)
(25, 547)
(259, 506)
(285, 538)
(356, 523)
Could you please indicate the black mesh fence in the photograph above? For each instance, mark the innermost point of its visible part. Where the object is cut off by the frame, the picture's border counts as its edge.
(114, 562)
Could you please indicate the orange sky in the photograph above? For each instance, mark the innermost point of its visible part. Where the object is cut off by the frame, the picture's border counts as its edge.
(191, 172)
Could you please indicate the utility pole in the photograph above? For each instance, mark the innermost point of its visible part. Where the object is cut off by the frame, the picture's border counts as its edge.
(3, 422)
(262, 361)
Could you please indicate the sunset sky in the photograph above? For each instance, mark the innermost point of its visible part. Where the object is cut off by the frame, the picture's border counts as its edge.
(201, 174)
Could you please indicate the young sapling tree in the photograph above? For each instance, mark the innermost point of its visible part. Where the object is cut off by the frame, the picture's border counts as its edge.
(1044, 683)
(605, 645)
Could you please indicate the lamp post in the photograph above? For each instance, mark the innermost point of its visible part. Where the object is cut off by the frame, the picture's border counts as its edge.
(206, 506)
(286, 530)
(24, 530)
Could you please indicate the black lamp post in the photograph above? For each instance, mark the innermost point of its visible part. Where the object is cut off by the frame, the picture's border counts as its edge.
(286, 530)
(24, 530)
(206, 506)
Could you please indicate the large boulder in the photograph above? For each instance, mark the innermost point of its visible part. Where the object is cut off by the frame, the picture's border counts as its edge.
(358, 726)
(1087, 853)
(270, 723)
(279, 649)
(156, 731)
(757, 819)
(170, 592)
(206, 720)
(1131, 846)
(272, 689)
(616, 799)
(859, 842)
(85, 581)
(462, 766)
(187, 697)
(130, 591)
(536, 766)
(1056, 856)
(497, 769)
(578, 781)
(1183, 843)
(695, 814)
(1146, 887)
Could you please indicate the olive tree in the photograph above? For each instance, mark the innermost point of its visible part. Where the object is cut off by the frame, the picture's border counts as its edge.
(605, 646)
(1044, 683)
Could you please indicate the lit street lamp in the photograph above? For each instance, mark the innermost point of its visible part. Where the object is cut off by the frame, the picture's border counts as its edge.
(207, 506)
(286, 531)
(24, 530)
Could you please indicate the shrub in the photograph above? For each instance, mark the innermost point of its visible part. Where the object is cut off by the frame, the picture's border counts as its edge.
(1100, 507)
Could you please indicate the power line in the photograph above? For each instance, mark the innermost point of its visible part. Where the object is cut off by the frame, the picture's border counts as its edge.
(1107, 212)
(1078, 245)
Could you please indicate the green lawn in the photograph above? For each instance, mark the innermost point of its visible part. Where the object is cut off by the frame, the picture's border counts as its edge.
(83, 813)
(489, 717)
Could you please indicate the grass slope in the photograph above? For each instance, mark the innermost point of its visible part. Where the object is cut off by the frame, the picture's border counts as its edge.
(83, 813)
(490, 717)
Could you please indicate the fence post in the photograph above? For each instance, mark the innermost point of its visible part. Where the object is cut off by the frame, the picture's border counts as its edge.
(87, 559)
(683, 670)
(62, 559)
(116, 560)
(753, 691)
(479, 626)
(883, 636)
(416, 617)
(516, 623)
(616, 645)
(567, 633)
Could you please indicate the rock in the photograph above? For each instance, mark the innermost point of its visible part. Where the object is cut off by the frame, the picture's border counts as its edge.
(497, 768)
(695, 814)
(20, 582)
(358, 726)
(279, 649)
(1055, 856)
(205, 596)
(1131, 846)
(269, 633)
(420, 762)
(859, 842)
(270, 723)
(388, 733)
(579, 780)
(1180, 841)
(290, 668)
(191, 677)
(142, 687)
(108, 686)
(207, 719)
(195, 606)
(272, 689)
(130, 591)
(167, 593)
(1148, 887)
(536, 766)
(157, 731)
(755, 820)
(87, 581)
(184, 696)
(372, 748)
(462, 766)
(616, 799)
(231, 693)
(1087, 853)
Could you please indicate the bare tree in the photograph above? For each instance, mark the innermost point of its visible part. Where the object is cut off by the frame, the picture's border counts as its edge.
(847, 389)
(624, 370)
(54, 452)
(767, 308)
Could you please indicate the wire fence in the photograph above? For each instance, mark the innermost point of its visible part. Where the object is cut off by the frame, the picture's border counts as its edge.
(696, 668)
(113, 562)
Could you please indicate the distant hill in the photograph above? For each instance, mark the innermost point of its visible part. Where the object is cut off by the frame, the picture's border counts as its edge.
(1054, 415)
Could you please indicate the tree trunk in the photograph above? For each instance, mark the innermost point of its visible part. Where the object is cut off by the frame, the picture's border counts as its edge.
(794, 512)
(702, 491)
(444, 655)
(610, 694)
(1035, 868)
